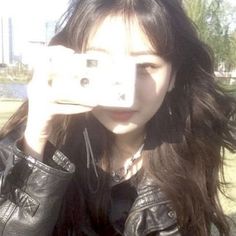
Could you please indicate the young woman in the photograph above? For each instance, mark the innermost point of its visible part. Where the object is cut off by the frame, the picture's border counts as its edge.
(150, 169)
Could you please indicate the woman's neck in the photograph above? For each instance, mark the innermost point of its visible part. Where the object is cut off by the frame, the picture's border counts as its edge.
(127, 144)
(126, 157)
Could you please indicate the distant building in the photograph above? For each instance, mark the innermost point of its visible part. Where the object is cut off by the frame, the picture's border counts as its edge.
(9, 52)
(6, 41)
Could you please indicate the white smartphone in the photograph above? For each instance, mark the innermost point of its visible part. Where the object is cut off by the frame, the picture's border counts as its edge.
(97, 81)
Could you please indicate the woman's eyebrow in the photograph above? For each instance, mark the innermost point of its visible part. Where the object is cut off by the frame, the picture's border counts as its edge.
(143, 53)
(135, 53)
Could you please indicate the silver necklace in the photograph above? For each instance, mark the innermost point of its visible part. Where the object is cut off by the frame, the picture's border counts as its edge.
(119, 175)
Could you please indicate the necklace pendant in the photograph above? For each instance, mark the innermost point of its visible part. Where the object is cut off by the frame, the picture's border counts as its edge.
(119, 175)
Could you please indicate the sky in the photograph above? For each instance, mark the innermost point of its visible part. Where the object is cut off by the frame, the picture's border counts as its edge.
(29, 17)
(35, 10)
(40, 9)
(232, 2)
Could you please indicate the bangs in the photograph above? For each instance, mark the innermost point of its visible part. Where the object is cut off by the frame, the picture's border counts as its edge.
(152, 18)
(155, 23)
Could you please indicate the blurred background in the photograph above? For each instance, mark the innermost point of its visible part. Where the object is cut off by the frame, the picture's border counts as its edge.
(28, 24)
(24, 26)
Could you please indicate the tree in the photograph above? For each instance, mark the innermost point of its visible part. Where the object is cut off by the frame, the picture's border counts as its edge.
(215, 20)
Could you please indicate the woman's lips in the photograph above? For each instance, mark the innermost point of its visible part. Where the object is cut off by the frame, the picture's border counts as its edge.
(121, 115)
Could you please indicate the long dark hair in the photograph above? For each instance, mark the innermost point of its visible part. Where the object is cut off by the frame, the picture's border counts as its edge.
(184, 145)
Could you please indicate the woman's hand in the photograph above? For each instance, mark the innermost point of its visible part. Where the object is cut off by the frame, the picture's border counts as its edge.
(51, 62)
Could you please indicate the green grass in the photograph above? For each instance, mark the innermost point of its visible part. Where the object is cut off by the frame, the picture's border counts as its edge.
(230, 89)
(7, 107)
(229, 205)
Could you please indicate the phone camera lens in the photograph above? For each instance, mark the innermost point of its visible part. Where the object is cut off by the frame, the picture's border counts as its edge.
(84, 82)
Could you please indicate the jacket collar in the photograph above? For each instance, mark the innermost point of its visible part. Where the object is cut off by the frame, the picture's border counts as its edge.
(151, 210)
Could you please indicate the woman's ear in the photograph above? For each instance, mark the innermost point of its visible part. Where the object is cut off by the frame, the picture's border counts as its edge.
(172, 81)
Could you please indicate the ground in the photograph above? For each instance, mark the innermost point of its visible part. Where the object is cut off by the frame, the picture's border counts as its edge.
(8, 106)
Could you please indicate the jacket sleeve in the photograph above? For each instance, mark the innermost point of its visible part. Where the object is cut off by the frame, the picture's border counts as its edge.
(31, 192)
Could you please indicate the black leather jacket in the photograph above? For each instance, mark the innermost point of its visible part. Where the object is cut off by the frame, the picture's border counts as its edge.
(31, 193)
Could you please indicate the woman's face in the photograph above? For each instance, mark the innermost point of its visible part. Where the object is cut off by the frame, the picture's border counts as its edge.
(154, 75)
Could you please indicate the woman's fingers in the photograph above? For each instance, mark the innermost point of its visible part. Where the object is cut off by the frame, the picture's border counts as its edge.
(53, 64)
(68, 109)
(49, 61)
